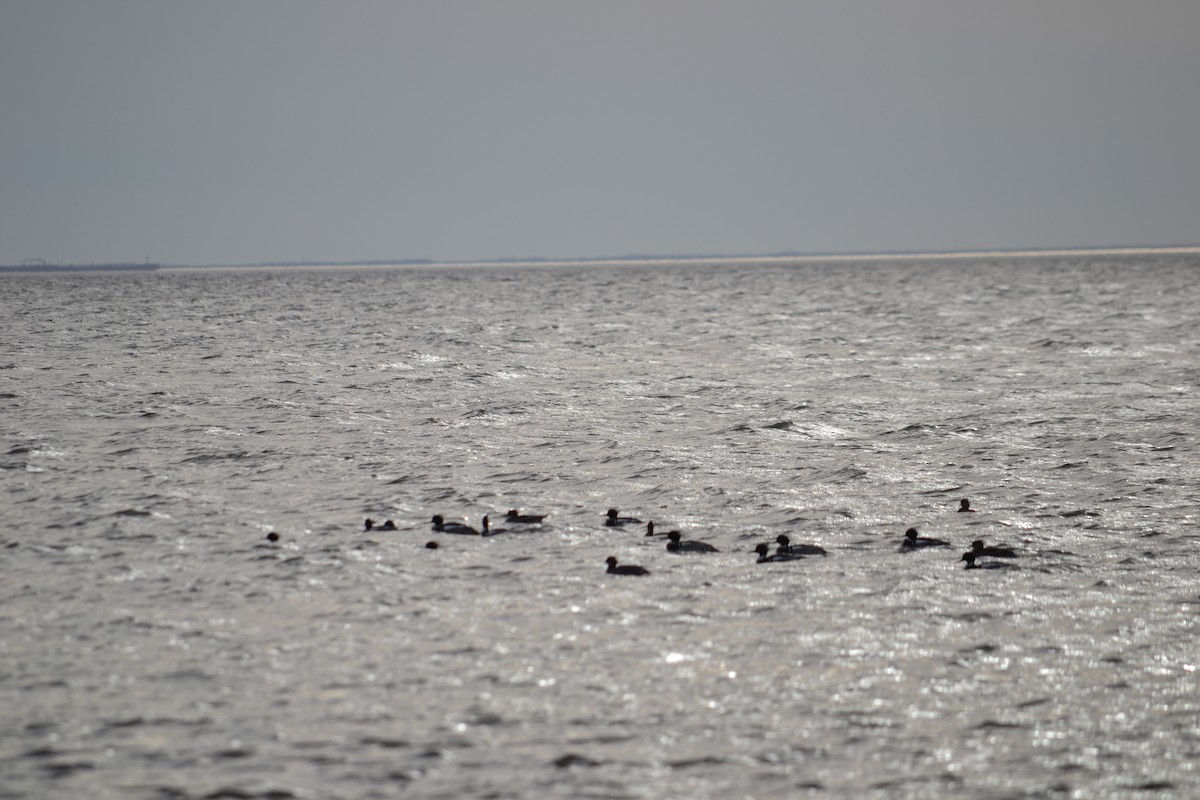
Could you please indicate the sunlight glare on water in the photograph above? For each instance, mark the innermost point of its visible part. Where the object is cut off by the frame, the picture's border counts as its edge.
(159, 425)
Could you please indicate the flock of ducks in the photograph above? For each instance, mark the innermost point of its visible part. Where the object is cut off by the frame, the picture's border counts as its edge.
(784, 549)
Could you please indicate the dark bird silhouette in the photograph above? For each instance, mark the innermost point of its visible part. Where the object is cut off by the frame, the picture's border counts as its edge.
(964, 505)
(979, 550)
(441, 526)
(765, 557)
(514, 515)
(487, 529)
(651, 532)
(969, 557)
(613, 520)
(912, 541)
(786, 546)
(677, 545)
(624, 569)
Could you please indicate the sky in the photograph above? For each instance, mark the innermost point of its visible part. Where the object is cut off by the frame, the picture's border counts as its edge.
(248, 131)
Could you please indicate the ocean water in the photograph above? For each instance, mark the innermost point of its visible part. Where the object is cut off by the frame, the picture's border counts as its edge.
(157, 426)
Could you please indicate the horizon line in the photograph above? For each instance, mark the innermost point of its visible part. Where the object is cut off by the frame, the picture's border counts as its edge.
(642, 259)
(634, 259)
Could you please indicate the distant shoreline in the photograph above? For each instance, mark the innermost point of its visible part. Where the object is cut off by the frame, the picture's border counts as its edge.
(629, 260)
(120, 267)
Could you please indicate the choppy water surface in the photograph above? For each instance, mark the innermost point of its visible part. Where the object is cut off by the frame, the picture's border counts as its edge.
(154, 644)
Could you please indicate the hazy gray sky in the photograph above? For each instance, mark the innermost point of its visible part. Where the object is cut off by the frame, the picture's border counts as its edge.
(243, 131)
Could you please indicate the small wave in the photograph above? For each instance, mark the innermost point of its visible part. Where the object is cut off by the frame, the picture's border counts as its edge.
(210, 457)
(144, 537)
(234, 752)
(384, 742)
(129, 722)
(511, 477)
(916, 428)
(185, 675)
(237, 792)
(839, 475)
(61, 769)
(568, 760)
(702, 761)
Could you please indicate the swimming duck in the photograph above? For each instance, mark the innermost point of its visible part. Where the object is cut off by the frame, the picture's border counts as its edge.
(786, 546)
(487, 529)
(651, 532)
(613, 520)
(514, 515)
(912, 541)
(969, 557)
(765, 557)
(676, 545)
(964, 506)
(441, 526)
(979, 550)
(272, 537)
(369, 524)
(624, 569)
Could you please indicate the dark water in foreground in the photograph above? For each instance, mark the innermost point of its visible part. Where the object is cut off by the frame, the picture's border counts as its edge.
(153, 643)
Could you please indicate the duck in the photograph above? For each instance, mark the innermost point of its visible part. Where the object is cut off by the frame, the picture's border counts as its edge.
(369, 524)
(969, 557)
(272, 537)
(441, 526)
(979, 550)
(515, 515)
(487, 529)
(613, 520)
(764, 556)
(786, 546)
(964, 506)
(676, 545)
(651, 532)
(624, 569)
(912, 541)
